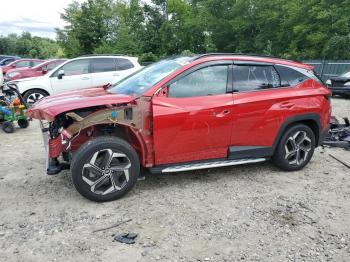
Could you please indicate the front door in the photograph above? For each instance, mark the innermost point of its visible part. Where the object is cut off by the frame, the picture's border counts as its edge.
(192, 116)
(76, 76)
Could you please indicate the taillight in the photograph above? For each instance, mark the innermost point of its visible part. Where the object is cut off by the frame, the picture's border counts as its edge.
(328, 97)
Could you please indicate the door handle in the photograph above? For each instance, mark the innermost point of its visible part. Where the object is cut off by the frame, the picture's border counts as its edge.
(85, 78)
(286, 105)
(223, 113)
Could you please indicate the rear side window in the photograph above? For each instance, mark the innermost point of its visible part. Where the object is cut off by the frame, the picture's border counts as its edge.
(290, 76)
(123, 64)
(35, 63)
(99, 65)
(251, 77)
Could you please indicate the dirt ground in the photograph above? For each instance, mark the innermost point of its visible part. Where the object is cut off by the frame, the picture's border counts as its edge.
(252, 213)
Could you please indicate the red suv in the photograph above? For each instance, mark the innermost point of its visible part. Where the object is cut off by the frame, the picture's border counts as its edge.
(38, 70)
(183, 114)
(21, 63)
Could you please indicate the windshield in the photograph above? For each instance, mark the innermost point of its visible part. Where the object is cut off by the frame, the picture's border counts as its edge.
(143, 80)
(347, 74)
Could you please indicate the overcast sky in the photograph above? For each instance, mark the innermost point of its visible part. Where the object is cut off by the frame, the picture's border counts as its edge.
(39, 17)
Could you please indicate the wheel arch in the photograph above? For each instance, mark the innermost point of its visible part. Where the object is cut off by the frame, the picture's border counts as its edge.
(125, 132)
(35, 88)
(311, 120)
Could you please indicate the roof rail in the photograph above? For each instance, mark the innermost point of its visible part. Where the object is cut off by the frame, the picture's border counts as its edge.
(236, 54)
(102, 55)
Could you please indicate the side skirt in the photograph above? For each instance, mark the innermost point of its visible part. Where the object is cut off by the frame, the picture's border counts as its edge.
(204, 165)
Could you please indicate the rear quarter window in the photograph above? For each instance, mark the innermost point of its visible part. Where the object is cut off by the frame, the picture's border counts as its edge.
(290, 76)
(124, 64)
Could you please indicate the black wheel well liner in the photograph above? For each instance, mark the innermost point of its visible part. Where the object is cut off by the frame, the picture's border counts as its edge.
(311, 120)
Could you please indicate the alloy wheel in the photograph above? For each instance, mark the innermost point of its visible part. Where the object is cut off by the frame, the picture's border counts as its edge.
(297, 148)
(106, 172)
(34, 97)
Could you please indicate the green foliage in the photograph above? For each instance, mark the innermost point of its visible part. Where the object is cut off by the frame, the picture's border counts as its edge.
(27, 46)
(152, 29)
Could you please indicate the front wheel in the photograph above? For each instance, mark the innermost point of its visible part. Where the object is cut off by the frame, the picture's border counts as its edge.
(295, 148)
(34, 95)
(105, 169)
(8, 127)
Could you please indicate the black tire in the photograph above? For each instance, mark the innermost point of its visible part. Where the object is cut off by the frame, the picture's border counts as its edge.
(23, 123)
(33, 95)
(8, 127)
(290, 161)
(96, 151)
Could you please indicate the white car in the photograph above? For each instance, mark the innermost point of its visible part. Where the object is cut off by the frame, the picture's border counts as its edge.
(79, 73)
(1, 77)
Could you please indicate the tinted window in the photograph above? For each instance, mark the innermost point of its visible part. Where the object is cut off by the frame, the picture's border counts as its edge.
(35, 63)
(77, 67)
(210, 80)
(51, 66)
(251, 77)
(290, 76)
(99, 65)
(23, 64)
(124, 64)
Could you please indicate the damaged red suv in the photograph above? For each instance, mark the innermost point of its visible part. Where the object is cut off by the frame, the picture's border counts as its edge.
(185, 113)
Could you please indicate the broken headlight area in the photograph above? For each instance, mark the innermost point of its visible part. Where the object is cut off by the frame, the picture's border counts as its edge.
(70, 130)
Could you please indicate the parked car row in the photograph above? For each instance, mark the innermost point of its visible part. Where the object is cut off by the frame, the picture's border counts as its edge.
(43, 78)
(340, 85)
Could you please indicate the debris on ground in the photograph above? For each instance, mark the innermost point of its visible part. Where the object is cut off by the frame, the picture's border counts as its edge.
(126, 238)
(341, 162)
(339, 134)
(112, 226)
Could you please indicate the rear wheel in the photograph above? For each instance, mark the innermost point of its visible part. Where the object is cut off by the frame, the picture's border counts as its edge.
(295, 148)
(23, 123)
(105, 169)
(34, 95)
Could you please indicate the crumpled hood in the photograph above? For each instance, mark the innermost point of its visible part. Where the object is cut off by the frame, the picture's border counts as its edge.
(49, 107)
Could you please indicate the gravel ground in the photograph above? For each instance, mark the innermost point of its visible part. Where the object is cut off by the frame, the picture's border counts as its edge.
(252, 212)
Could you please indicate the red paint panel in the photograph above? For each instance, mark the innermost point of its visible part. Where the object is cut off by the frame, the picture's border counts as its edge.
(188, 129)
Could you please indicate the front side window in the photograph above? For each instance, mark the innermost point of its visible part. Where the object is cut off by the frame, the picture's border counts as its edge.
(211, 80)
(250, 77)
(99, 65)
(23, 64)
(124, 64)
(77, 67)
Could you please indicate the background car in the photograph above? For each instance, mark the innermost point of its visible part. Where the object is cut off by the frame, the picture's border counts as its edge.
(340, 85)
(20, 63)
(5, 59)
(1, 77)
(38, 70)
(79, 73)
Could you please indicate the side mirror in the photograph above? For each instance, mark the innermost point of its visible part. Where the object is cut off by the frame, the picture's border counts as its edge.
(60, 74)
(44, 71)
(14, 66)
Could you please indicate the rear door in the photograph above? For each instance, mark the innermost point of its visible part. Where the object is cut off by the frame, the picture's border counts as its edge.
(192, 115)
(124, 68)
(103, 71)
(261, 99)
(76, 76)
